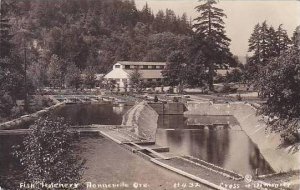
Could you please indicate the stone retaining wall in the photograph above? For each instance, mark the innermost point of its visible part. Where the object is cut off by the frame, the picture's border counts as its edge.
(255, 128)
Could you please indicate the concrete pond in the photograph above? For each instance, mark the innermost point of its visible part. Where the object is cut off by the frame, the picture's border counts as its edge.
(214, 138)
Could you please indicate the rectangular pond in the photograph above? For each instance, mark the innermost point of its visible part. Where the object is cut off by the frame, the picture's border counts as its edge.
(185, 135)
(227, 147)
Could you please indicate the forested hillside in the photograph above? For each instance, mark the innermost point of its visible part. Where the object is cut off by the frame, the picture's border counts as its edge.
(95, 33)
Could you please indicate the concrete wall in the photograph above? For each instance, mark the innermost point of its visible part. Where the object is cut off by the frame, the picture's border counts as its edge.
(255, 127)
(143, 118)
(170, 108)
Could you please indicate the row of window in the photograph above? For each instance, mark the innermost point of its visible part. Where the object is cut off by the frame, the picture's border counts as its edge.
(159, 67)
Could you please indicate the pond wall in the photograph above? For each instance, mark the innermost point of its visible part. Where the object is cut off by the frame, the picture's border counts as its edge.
(19, 122)
(143, 118)
(255, 127)
(169, 108)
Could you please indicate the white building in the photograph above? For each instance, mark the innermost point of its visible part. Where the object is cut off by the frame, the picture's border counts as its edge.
(150, 71)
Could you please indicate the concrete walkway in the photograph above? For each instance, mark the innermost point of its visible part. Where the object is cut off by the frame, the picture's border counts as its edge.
(109, 163)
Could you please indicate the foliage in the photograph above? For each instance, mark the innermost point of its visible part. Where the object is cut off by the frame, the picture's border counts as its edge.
(94, 33)
(296, 37)
(11, 85)
(235, 75)
(55, 73)
(283, 40)
(135, 78)
(5, 35)
(37, 74)
(210, 27)
(111, 85)
(161, 45)
(90, 77)
(265, 43)
(279, 83)
(175, 71)
(73, 76)
(48, 153)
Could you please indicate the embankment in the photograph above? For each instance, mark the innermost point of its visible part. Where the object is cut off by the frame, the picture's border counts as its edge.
(23, 120)
(143, 118)
(255, 127)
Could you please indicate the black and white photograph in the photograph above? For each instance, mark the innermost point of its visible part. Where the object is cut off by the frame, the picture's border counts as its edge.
(150, 94)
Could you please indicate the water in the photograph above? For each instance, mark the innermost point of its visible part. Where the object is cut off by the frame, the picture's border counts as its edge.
(231, 149)
(87, 114)
(76, 114)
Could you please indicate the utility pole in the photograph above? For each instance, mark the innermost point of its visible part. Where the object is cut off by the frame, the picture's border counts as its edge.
(25, 79)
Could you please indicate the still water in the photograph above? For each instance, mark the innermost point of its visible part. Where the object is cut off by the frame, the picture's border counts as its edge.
(229, 148)
(87, 114)
(76, 114)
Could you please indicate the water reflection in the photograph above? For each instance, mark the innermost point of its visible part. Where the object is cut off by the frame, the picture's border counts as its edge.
(77, 114)
(231, 149)
(87, 114)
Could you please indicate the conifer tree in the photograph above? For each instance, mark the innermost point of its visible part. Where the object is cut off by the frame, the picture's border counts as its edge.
(254, 42)
(273, 43)
(264, 42)
(283, 39)
(296, 38)
(210, 26)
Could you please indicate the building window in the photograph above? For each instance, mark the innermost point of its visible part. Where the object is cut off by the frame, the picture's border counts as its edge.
(145, 66)
(161, 67)
(153, 66)
(117, 66)
(127, 66)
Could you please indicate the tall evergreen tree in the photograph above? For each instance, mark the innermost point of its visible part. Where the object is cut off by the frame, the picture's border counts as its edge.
(264, 42)
(254, 43)
(283, 39)
(146, 15)
(210, 26)
(296, 38)
(273, 43)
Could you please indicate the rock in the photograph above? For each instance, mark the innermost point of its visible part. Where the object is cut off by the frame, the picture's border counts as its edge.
(143, 118)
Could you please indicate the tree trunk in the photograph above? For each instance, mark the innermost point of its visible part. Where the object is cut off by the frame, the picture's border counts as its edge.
(211, 77)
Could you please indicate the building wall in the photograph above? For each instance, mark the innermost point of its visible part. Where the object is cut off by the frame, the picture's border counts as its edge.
(121, 76)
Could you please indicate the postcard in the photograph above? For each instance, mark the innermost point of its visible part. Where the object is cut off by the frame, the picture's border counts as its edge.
(149, 94)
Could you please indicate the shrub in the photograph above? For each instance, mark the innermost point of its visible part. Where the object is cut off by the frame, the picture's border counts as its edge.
(48, 153)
